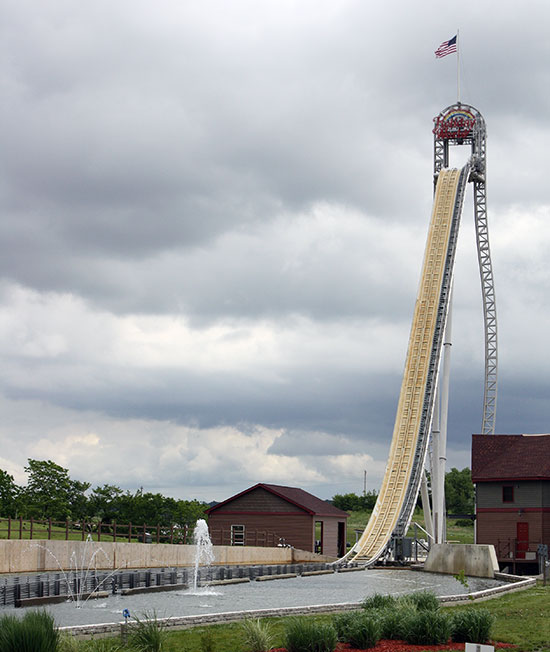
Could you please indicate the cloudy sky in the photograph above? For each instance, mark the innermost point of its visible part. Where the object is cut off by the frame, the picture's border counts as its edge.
(213, 216)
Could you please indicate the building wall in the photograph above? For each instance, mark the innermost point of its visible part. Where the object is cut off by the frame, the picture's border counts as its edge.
(494, 526)
(526, 494)
(330, 536)
(262, 511)
(297, 529)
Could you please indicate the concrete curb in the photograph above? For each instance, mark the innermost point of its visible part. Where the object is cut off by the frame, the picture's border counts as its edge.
(282, 576)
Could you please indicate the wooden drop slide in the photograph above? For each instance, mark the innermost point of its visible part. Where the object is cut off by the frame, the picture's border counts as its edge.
(407, 430)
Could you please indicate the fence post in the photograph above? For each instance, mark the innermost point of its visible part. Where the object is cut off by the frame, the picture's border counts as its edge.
(32, 528)
(114, 531)
(99, 532)
(20, 527)
(66, 529)
(83, 528)
(9, 527)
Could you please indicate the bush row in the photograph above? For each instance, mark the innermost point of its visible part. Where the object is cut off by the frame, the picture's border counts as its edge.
(416, 619)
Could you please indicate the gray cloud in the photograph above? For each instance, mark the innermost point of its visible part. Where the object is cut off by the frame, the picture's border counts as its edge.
(212, 229)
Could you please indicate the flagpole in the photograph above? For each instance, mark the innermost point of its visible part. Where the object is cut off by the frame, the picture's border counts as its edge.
(458, 66)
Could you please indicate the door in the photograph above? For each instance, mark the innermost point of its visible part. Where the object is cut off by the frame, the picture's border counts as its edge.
(522, 537)
(341, 539)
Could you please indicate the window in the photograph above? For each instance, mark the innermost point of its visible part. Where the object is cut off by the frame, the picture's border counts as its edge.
(508, 494)
(237, 535)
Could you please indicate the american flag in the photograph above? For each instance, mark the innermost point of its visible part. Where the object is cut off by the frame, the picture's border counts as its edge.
(447, 47)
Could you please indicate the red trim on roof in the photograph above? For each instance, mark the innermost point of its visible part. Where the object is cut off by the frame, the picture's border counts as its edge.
(488, 510)
(511, 481)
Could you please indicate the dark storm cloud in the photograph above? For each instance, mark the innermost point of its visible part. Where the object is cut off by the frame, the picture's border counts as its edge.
(213, 221)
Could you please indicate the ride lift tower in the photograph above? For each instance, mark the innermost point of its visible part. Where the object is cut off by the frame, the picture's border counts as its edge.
(461, 124)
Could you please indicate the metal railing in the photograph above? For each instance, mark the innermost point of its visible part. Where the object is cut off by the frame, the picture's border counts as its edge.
(514, 549)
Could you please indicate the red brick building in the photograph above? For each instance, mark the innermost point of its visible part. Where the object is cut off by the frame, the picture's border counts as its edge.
(512, 478)
(266, 513)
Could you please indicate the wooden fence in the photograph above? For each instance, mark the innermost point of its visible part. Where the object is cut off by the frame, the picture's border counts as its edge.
(19, 528)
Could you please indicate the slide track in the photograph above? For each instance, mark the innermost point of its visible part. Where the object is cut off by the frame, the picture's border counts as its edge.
(398, 494)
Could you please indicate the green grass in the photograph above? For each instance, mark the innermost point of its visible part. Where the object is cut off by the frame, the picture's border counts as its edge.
(522, 618)
(455, 533)
(40, 531)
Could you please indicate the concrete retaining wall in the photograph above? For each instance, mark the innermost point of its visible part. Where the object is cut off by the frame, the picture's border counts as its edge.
(474, 560)
(18, 556)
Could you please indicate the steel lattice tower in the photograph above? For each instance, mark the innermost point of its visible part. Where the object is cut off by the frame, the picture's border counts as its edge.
(461, 124)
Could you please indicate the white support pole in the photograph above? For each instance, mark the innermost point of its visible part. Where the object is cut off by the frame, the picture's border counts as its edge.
(435, 467)
(446, 373)
(428, 522)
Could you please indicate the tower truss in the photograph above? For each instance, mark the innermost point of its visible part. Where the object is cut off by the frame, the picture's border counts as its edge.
(461, 124)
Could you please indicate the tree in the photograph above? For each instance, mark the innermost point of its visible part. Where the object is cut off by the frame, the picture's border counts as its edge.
(104, 503)
(353, 503)
(459, 491)
(9, 495)
(50, 492)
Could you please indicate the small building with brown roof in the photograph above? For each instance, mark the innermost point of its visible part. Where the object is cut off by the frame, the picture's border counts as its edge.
(271, 515)
(512, 478)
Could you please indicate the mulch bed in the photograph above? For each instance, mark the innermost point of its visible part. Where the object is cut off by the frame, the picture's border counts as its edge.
(402, 646)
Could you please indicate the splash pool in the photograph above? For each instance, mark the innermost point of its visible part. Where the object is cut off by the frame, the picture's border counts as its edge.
(298, 591)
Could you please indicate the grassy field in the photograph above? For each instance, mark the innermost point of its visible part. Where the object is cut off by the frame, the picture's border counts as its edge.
(455, 533)
(41, 530)
(521, 618)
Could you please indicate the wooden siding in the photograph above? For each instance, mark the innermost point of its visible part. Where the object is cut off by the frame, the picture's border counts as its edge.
(546, 528)
(330, 536)
(296, 529)
(526, 494)
(259, 500)
(546, 494)
(492, 526)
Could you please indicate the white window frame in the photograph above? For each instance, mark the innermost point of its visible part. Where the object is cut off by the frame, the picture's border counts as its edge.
(237, 535)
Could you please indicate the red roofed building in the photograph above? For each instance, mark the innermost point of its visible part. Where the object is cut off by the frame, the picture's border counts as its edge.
(512, 478)
(265, 513)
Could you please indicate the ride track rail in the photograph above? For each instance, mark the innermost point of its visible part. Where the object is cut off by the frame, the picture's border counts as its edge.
(393, 510)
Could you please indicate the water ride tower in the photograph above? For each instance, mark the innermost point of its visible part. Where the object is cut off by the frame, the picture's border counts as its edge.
(460, 124)
(420, 425)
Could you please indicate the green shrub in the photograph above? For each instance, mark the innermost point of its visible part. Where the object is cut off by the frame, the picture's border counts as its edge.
(257, 636)
(472, 626)
(147, 635)
(394, 622)
(379, 601)
(427, 627)
(68, 643)
(425, 600)
(207, 640)
(307, 635)
(342, 622)
(35, 632)
(101, 645)
(365, 631)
